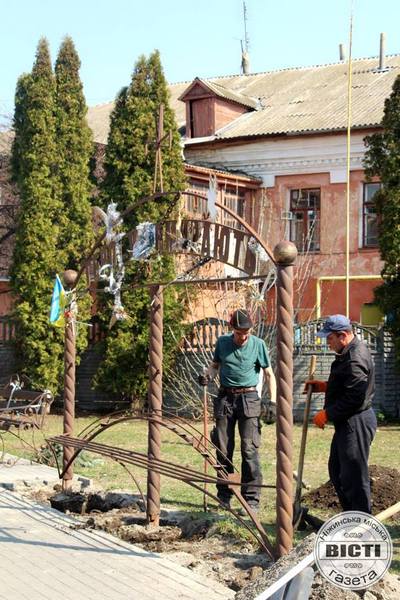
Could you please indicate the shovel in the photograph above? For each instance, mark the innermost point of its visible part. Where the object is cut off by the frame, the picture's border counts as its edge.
(205, 439)
(300, 513)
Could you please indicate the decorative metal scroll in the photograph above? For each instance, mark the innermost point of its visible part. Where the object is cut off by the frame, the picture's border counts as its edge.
(234, 247)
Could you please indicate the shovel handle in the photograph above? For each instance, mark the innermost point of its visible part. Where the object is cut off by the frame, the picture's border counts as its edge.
(205, 438)
(307, 407)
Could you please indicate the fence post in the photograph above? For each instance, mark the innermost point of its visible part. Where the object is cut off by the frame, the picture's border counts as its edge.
(285, 254)
(69, 277)
(155, 402)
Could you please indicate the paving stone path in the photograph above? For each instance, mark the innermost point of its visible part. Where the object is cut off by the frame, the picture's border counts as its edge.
(44, 557)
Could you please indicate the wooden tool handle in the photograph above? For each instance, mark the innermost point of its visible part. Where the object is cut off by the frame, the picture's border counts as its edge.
(307, 406)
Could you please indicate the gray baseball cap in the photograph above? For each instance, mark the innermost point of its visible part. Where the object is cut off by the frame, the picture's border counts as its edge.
(241, 319)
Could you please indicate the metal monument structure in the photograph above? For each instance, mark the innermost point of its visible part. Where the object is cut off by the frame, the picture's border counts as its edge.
(240, 248)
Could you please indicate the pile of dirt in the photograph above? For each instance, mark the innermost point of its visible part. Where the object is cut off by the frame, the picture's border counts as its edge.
(385, 490)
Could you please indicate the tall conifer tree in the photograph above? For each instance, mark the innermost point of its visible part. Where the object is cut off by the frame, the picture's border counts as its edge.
(35, 259)
(75, 150)
(383, 160)
(50, 159)
(129, 165)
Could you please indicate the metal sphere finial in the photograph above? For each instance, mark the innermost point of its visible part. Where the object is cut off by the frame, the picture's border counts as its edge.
(285, 253)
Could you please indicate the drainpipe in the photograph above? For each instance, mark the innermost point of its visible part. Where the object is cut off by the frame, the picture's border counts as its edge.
(319, 280)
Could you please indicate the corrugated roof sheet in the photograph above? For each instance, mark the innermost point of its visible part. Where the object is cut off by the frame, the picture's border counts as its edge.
(307, 99)
(224, 92)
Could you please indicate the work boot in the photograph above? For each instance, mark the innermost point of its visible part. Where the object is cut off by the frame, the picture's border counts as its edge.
(224, 503)
(255, 509)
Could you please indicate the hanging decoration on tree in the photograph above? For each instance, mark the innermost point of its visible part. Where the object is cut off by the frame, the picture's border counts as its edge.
(113, 273)
(145, 243)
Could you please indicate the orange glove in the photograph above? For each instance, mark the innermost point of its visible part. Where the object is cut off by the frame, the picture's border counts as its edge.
(318, 387)
(320, 419)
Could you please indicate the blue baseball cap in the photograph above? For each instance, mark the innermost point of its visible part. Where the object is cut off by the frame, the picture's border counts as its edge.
(335, 323)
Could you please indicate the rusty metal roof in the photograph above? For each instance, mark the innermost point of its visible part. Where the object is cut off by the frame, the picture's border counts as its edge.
(296, 100)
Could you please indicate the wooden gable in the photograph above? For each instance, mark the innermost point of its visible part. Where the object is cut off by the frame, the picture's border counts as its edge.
(207, 111)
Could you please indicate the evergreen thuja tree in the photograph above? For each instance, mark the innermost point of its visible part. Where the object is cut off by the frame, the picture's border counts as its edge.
(74, 152)
(129, 173)
(383, 160)
(35, 258)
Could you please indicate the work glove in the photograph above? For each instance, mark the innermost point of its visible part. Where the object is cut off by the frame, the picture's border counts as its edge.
(320, 419)
(318, 387)
(203, 379)
(207, 375)
(268, 411)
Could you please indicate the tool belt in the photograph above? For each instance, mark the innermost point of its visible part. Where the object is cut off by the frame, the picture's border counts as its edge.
(238, 390)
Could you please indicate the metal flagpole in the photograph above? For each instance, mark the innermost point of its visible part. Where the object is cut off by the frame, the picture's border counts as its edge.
(349, 90)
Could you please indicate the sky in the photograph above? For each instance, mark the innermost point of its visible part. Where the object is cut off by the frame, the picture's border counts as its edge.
(195, 37)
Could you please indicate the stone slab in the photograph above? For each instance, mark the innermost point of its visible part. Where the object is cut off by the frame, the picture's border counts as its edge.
(14, 471)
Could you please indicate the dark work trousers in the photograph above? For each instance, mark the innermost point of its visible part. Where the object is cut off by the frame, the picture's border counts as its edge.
(243, 409)
(348, 460)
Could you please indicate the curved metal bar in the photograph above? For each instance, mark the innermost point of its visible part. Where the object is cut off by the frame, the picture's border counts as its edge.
(136, 482)
(176, 471)
(91, 434)
(248, 228)
(140, 460)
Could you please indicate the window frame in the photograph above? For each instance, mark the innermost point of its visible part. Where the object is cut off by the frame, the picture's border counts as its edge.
(366, 204)
(313, 246)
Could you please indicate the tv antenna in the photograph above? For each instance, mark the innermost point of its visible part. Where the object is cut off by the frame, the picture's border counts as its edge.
(245, 44)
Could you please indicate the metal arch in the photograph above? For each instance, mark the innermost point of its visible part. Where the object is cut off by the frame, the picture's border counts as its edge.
(189, 476)
(90, 432)
(250, 230)
(197, 443)
(160, 196)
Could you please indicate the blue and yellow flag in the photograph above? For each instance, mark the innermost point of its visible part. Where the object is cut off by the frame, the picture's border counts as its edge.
(58, 302)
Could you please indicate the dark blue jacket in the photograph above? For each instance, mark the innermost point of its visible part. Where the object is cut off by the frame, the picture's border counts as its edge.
(351, 383)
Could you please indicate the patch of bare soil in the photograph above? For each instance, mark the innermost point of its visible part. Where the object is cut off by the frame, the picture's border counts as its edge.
(385, 490)
(191, 539)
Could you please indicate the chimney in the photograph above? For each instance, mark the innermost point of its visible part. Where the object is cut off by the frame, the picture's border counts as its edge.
(382, 66)
(342, 52)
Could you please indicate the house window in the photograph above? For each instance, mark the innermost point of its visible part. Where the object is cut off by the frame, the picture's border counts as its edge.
(196, 206)
(370, 220)
(305, 207)
(233, 199)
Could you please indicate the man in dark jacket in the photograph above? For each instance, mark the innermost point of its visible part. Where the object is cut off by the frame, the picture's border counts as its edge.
(348, 405)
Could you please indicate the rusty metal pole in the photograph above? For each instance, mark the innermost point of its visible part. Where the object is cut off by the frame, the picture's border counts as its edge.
(285, 254)
(155, 402)
(69, 380)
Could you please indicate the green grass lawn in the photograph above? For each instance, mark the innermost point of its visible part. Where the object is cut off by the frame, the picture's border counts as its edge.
(133, 435)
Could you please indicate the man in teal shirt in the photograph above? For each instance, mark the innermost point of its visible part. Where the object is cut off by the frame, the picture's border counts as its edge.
(239, 358)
